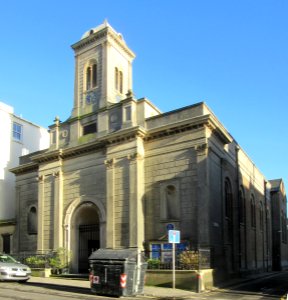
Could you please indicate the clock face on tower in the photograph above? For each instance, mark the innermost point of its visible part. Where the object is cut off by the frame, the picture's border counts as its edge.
(91, 97)
(88, 98)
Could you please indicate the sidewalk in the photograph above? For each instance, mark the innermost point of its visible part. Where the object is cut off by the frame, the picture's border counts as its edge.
(152, 291)
(157, 292)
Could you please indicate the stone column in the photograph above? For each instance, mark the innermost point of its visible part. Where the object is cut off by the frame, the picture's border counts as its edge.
(110, 207)
(40, 239)
(136, 195)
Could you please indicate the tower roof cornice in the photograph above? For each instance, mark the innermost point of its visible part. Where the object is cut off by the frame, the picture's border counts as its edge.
(102, 32)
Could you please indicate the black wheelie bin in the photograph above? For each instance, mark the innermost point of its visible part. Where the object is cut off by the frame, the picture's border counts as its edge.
(117, 272)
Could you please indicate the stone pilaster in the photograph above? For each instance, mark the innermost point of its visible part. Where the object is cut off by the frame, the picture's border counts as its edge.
(41, 190)
(202, 195)
(105, 75)
(75, 111)
(58, 210)
(17, 241)
(136, 195)
(110, 206)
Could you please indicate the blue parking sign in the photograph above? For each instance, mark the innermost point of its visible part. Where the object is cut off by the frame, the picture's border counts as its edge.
(174, 236)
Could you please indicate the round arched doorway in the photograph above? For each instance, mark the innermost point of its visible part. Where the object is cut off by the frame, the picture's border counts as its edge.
(85, 235)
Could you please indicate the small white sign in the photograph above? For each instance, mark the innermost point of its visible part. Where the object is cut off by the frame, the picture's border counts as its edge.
(96, 279)
(174, 236)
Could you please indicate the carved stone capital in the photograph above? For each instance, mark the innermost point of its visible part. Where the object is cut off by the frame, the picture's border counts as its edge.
(201, 149)
(56, 174)
(134, 156)
(109, 162)
(40, 178)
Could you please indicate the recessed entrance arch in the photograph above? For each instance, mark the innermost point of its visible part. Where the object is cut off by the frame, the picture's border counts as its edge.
(84, 231)
(86, 222)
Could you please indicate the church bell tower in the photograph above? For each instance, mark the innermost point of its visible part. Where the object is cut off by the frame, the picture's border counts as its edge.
(103, 70)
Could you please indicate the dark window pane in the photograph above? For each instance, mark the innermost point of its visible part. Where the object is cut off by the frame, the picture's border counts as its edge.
(94, 75)
(120, 82)
(6, 243)
(91, 128)
(88, 78)
(116, 78)
(32, 221)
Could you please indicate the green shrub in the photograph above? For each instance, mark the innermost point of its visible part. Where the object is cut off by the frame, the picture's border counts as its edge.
(153, 263)
(35, 261)
(190, 260)
(60, 259)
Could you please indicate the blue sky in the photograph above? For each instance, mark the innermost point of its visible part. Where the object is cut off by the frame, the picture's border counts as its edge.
(231, 54)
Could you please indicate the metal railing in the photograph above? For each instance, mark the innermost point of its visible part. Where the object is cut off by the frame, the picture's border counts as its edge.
(34, 260)
(185, 259)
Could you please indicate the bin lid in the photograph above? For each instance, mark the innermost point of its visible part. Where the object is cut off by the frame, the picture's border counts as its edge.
(114, 254)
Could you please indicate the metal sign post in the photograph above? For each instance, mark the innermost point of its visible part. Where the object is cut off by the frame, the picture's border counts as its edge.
(173, 266)
(174, 238)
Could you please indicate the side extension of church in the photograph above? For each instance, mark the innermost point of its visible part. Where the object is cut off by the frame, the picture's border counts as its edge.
(119, 171)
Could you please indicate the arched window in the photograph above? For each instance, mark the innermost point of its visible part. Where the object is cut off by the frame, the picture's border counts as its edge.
(94, 75)
(253, 212)
(91, 76)
(261, 216)
(283, 227)
(88, 78)
(169, 201)
(242, 215)
(228, 211)
(118, 81)
(32, 221)
(228, 199)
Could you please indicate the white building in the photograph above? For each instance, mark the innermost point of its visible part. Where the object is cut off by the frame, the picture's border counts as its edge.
(18, 137)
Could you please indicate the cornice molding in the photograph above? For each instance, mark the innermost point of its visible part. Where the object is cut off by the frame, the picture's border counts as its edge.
(90, 39)
(105, 32)
(128, 134)
(26, 168)
(99, 144)
(48, 156)
(177, 127)
(218, 129)
(9, 222)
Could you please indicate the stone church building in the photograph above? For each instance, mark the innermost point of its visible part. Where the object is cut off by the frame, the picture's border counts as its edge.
(119, 172)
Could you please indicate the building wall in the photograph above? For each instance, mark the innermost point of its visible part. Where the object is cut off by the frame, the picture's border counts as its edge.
(129, 181)
(26, 197)
(33, 138)
(171, 163)
(137, 175)
(279, 226)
